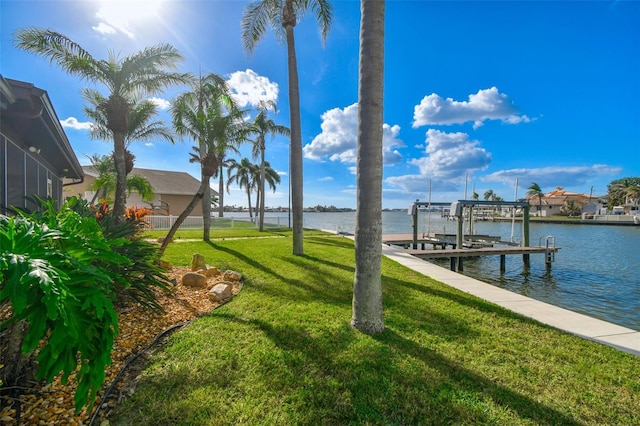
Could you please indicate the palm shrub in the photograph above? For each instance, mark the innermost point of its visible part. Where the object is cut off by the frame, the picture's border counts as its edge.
(136, 280)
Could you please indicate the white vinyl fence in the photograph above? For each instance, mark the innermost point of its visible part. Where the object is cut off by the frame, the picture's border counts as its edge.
(195, 222)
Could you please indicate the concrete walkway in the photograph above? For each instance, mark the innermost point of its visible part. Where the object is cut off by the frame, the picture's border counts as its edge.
(622, 338)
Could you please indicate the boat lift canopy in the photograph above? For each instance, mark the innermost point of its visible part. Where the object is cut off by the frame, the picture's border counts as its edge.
(457, 208)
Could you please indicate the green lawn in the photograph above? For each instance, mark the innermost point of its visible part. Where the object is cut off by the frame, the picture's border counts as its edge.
(282, 352)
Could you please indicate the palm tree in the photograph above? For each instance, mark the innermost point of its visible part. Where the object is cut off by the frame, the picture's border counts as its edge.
(488, 194)
(262, 125)
(271, 177)
(208, 115)
(245, 174)
(283, 15)
(105, 183)
(145, 72)
(535, 191)
(202, 126)
(624, 191)
(367, 289)
(140, 127)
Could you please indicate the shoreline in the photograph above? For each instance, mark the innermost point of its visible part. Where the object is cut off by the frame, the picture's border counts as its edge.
(567, 221)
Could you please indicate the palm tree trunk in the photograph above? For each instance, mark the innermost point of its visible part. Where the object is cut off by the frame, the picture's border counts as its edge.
(295, 146)
(249, 202)
(120, 200)
(257, 208)
(261, 187)
(367, 290)
(187, 211)
(206, 203)
(221, 193)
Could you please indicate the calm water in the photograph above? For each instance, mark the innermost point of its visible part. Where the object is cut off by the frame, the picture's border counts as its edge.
(596, 272)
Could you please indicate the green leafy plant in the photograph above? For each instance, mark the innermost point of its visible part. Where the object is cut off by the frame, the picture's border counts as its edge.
(49, 278)
(61, 273)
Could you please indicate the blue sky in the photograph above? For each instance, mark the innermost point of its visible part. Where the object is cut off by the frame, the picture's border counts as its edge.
(477, 94)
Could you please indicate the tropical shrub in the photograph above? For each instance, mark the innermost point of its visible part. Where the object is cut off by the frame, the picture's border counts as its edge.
(61, 272)
(55, 303)
(136, 280)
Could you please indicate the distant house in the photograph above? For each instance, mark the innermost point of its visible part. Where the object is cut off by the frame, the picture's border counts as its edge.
(35, 155)
(173, 191)
(556, 202)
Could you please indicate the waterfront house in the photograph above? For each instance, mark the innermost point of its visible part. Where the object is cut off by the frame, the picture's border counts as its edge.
(561, 203)
(36, 157)
(173, 191)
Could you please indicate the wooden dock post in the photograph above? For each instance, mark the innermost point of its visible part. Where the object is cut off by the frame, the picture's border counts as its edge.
(503, 263)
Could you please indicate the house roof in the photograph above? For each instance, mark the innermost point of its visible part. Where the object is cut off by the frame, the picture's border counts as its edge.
(28, 112)
(163, 181)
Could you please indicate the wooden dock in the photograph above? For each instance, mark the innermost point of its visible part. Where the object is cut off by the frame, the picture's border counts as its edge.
(456, 255)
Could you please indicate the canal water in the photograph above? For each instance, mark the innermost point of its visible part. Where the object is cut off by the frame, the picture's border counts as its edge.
(596, 271)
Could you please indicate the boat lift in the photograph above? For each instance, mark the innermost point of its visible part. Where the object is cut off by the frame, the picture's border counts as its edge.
(458, 210)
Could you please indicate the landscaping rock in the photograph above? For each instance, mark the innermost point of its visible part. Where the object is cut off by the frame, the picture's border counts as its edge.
(197, 262)
(195, 280)
(212, 272)
(232, 276)
(220, 292)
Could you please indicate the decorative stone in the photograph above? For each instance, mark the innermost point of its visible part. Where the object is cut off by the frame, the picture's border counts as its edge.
(212, 272)
(165, 265)
(197, 262)
(220, 292)
(232, 276)
(195, 280)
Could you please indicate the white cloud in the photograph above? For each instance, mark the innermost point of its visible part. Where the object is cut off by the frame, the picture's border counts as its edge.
(326, 179)
(113, 19)
(249, 88)
(338, 140)
(552, 176)
(73, 123)
(105, 29)
(451, 155)
(160, 103)
(487, 104)
(449, 158)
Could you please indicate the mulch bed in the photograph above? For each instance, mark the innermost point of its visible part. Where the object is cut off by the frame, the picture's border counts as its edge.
(139, 327)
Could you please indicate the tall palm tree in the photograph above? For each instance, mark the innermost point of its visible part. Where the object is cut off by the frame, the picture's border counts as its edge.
(535, 191)
(145, 72)
(271, 177)
(202, 126)
(488, 194)
(283, 15)
(367, 289)
(262, 126)
(246, 175)
(208, 115)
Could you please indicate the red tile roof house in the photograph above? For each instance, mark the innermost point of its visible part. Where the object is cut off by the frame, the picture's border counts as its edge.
(554, 201)
(36, 157)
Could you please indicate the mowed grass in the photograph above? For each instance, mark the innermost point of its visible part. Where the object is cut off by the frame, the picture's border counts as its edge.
(282, 352)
